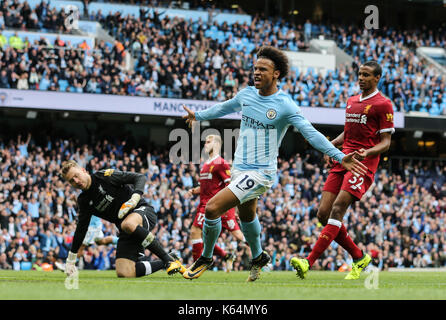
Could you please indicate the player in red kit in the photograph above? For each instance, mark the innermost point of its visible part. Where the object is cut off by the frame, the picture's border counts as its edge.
(368, 129)
(214, 176)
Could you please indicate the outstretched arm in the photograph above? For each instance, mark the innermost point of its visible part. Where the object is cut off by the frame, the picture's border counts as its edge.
(319, 142)
(216, 111)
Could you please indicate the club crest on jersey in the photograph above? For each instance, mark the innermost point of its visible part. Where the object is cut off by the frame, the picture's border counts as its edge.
(108, 172)
(271, 114)
(101, 190)
(366, 109)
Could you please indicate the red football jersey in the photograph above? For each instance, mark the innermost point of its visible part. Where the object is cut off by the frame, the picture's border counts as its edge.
(365, 119)
(213, 177)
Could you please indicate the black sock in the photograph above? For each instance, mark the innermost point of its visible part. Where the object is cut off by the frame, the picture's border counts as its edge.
(140, 234)
(144, 268)
(155, 247)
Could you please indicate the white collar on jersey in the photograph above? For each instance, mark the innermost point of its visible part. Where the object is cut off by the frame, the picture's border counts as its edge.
(212, 159)
(369, 96)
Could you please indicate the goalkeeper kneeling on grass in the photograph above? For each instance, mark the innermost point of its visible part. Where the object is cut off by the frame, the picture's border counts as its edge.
(115, 196)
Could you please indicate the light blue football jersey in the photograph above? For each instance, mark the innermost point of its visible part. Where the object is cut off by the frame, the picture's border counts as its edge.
(265, 120)
(95, 222)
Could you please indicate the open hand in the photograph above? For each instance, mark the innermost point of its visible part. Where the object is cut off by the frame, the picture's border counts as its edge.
(190, 117)
(350, 163)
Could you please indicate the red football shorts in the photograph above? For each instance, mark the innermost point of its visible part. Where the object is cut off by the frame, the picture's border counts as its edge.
(347, 181)
(228, 220)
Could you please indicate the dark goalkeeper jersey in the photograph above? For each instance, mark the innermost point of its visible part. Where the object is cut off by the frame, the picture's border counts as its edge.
(109, 189)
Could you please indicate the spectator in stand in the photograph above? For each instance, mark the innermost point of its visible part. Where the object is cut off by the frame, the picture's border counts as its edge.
(405, 230)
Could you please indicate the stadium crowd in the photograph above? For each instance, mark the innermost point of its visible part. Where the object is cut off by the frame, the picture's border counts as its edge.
(156, 55)
(400, 221)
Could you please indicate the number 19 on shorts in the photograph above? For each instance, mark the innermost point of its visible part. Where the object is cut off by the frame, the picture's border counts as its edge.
(245, 183)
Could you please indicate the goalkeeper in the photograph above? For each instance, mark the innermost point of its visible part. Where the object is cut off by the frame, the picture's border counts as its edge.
(115, 196)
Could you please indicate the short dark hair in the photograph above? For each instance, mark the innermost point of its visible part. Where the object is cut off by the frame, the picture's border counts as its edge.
(277, 56)
(377, 70)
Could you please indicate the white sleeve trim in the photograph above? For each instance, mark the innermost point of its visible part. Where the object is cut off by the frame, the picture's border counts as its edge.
(391, 130)
(227, 180)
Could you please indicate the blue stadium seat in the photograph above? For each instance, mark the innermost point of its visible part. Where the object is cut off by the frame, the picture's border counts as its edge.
(63, 84)
(163, 90)
(44, 84)
(292, 46)
(25, 265)
(220, 36)
(434, 111)
(249, 47)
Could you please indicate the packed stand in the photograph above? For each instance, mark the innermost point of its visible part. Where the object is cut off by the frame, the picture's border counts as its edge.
(410, 81)
(176, 58)
(21, 16)
(400, 221)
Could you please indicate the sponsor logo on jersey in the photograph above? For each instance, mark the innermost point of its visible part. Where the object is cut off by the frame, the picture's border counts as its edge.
(255, 124)
(271, 114)
(108, 172)
(206, 175)
(356, 118)
(103, 205)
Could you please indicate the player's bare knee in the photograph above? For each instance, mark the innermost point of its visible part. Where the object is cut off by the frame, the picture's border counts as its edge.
(337, 212)
(124, 273)
(323, 215)
(211, 211)
(195, 233)
(128, 226)
(121, 273)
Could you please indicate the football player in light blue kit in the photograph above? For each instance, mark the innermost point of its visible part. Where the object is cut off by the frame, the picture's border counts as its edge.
(267, 112)
(94, 235)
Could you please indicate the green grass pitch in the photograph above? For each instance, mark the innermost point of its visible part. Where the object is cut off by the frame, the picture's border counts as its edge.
(98, 285)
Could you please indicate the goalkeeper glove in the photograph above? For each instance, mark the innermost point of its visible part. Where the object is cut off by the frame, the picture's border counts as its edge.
(70, 266)
(130, 204)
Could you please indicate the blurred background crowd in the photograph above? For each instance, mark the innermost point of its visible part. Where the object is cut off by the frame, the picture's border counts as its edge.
(400, 221)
